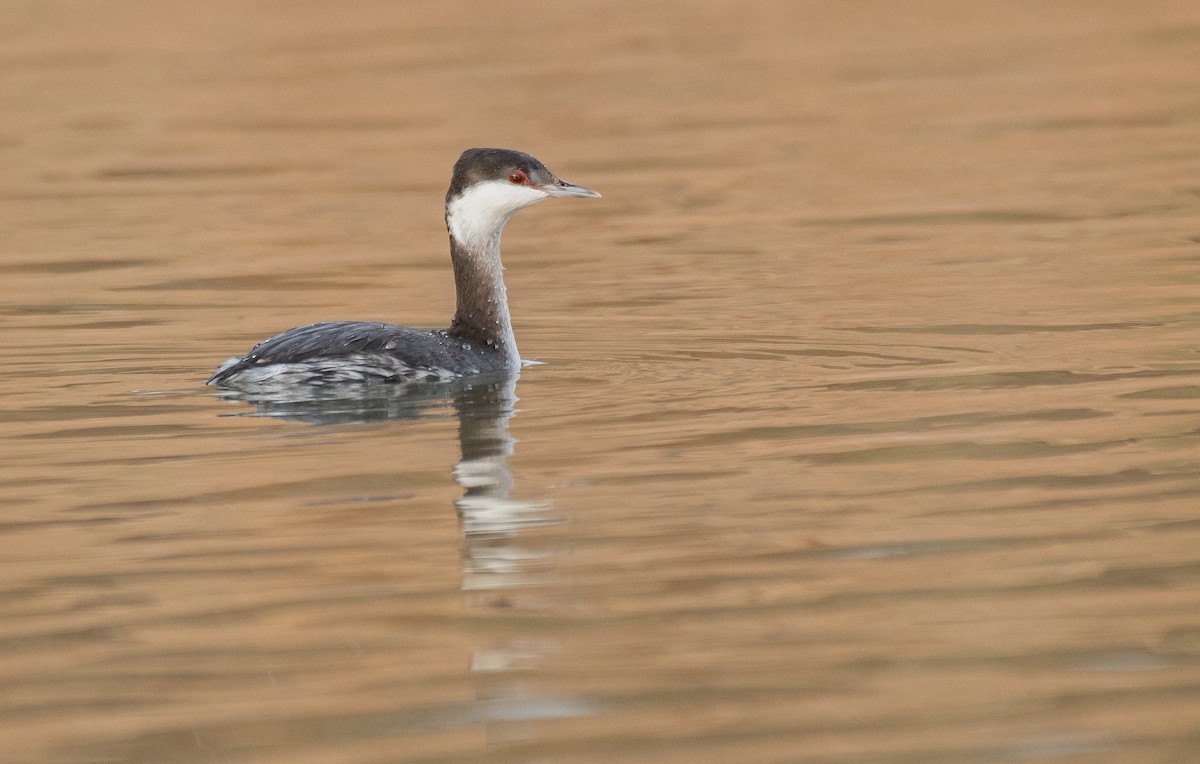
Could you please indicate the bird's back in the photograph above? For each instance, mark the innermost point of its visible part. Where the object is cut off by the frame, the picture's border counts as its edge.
(340, 352)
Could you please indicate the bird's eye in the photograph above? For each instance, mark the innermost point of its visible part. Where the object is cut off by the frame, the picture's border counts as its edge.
(517, 176)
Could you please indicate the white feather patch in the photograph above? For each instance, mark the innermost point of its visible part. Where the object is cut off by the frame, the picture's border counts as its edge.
(359, 368)
(478, 215)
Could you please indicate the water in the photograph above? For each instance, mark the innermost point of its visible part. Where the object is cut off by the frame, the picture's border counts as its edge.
(868, 428)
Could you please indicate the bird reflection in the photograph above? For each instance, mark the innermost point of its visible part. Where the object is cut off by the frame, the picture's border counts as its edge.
(494, 563)
(489, 518)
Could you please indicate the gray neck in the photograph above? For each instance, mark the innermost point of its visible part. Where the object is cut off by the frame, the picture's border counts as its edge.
(482, 314)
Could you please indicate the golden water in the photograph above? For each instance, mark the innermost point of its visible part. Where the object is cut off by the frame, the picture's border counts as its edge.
(868, 429)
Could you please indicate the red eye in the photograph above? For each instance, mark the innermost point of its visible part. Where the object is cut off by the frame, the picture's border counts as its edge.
(517, 176)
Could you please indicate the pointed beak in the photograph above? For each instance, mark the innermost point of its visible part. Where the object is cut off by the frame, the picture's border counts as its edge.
(560, 187)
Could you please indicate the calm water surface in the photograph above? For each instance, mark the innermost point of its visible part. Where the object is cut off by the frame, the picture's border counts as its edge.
(868, 428)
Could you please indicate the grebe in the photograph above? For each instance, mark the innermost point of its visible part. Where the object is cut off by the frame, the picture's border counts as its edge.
(487, 187)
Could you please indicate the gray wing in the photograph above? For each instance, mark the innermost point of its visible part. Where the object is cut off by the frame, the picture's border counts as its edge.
(393, 348)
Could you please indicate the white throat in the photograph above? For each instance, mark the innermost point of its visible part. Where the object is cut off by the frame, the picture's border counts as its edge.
(477, 216)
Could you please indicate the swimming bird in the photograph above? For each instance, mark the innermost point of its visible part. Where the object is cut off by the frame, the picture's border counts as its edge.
(486, 188)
